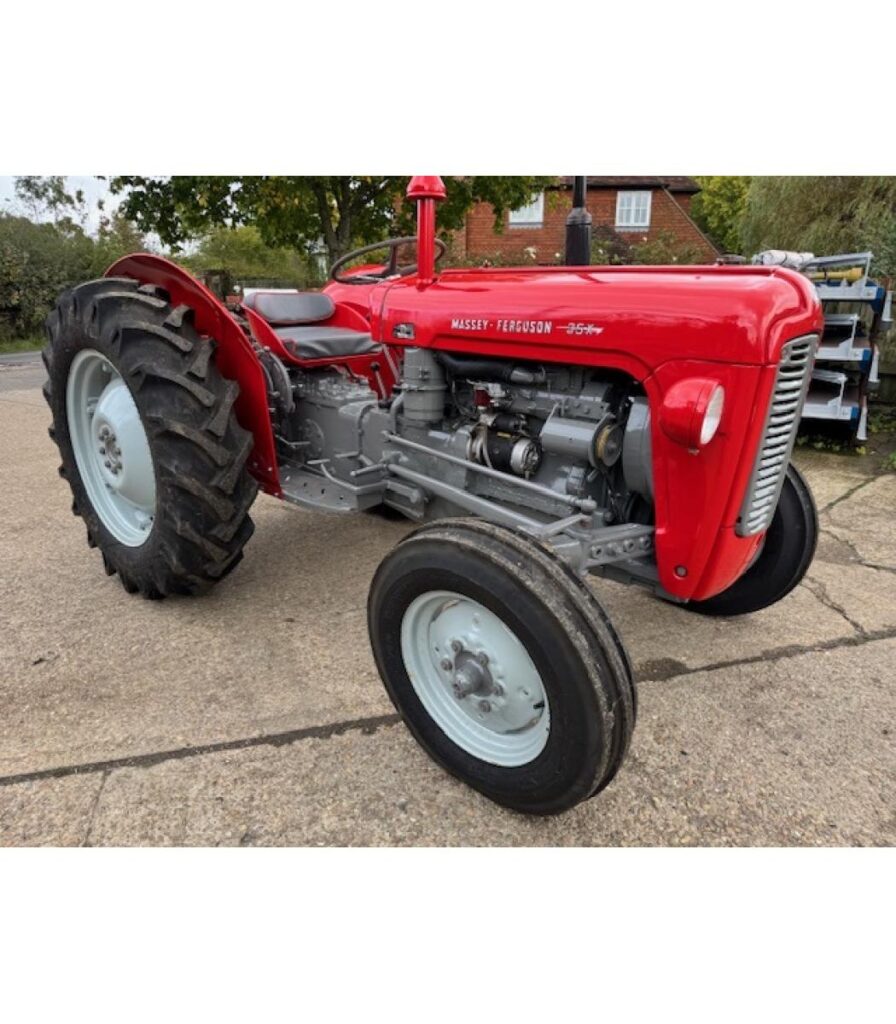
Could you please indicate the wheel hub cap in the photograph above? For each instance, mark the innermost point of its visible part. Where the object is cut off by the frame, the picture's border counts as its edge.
(471, 676)
(475, 678)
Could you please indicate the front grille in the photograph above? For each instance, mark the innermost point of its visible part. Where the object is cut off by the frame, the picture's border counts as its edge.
(791, 384)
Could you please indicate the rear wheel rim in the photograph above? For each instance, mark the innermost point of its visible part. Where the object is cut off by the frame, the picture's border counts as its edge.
(111, 448)
(475, 678)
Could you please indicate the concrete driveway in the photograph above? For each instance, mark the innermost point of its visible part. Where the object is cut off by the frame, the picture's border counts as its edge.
(255, 715)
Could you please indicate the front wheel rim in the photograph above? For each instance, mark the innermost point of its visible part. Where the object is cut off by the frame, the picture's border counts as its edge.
(475, 678)
(111, 448)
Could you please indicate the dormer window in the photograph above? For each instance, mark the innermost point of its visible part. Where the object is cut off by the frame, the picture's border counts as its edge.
(632, 211)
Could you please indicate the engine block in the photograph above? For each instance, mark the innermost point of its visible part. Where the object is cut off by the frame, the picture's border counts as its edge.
(562, 454)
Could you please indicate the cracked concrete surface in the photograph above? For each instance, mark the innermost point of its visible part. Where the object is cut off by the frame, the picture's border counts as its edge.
(255, 716)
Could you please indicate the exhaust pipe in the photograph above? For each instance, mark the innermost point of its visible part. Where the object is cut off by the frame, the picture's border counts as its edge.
(427, 191)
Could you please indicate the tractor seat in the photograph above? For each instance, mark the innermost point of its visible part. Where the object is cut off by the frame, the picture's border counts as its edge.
(293, 317)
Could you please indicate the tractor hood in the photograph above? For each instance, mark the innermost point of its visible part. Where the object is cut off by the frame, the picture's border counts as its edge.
(631, 318)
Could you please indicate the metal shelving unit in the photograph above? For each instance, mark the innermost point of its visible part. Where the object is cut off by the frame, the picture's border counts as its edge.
(846, 364)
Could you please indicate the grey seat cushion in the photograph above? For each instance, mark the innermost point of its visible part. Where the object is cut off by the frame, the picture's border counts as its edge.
(283, 308)
(325, 342)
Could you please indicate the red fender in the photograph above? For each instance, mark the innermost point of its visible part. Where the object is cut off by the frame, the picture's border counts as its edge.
(234, 354)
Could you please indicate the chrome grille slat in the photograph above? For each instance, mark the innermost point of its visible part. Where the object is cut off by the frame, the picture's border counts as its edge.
(778, 436)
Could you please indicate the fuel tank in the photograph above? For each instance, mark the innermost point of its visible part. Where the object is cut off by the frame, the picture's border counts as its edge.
(631, 318)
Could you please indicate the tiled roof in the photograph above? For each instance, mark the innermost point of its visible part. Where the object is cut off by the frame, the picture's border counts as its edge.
(675, 183)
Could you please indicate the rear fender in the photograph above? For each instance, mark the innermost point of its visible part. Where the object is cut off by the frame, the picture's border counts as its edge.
(234, 354)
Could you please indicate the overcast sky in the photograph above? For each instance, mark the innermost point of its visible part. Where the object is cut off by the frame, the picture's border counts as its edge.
(94, 190)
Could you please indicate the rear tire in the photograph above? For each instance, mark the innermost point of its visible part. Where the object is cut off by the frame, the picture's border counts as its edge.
(196, 490)
(784, 560)
(463, 603)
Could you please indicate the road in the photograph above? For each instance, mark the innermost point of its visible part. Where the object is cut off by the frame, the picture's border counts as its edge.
(255, 715)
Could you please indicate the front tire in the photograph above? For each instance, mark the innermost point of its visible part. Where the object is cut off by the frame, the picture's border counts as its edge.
(502, 664)
(784, 560)
(150, 445)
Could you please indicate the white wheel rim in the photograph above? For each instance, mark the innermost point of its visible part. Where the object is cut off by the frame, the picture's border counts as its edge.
(475, 678)
(111, 448)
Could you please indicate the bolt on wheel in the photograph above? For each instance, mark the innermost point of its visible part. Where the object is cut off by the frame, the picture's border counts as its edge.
(475, 678)
(148, 437)
(111, 448)
(502, 664)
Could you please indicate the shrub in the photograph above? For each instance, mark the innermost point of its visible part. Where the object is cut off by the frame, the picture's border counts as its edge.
(609, 247)
(38, 261)
(664, 249)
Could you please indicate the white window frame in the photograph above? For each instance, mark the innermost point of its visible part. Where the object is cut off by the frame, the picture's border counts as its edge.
(632, 215)
(529, 216)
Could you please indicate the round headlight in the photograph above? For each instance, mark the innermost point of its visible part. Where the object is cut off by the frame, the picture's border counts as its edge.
(692, 411)
(713, 415)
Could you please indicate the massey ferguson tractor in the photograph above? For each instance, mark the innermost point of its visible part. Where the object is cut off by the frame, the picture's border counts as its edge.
(540, 424)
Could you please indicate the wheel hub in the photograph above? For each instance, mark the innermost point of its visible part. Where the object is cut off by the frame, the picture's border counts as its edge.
(111, 448)
(471, 675)
(475, 678)
(108, 448)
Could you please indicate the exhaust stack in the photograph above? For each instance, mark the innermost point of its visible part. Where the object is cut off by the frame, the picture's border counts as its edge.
(427, 191)
(578, 227)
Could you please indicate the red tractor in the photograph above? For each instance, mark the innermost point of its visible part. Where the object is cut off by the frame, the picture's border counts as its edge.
(541, 424)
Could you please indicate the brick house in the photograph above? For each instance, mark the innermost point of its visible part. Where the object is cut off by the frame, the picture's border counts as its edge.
(637, 208)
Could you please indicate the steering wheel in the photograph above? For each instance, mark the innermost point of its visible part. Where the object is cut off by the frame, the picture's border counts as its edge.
(391, 269)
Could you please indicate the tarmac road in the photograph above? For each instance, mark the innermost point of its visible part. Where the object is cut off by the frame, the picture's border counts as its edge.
(255, 715)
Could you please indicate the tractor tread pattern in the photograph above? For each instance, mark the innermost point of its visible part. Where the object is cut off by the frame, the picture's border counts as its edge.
(615, 689)
(200, 451)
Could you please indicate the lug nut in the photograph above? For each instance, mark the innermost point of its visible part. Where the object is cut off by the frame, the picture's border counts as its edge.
(485, 706)
(446, 665)
(107, 463)
(482, 658)
(456, 646)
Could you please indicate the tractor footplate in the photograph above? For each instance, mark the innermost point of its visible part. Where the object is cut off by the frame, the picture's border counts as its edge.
(326, 493)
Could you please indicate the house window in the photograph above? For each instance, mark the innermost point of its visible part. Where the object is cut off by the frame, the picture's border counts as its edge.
(530, 216)
(632, 211)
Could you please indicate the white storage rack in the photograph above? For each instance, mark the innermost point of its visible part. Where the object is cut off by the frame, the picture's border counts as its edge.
(846, 364)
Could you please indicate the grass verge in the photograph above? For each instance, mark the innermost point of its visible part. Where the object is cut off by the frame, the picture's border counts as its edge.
(9, 345)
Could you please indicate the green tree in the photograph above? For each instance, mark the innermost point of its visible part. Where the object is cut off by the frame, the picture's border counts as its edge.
(37, 262)
(718, 208)
(242, 254)
(40, 260)
(302, 213)
(116, 237)
(824, 215)
(48, 199)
